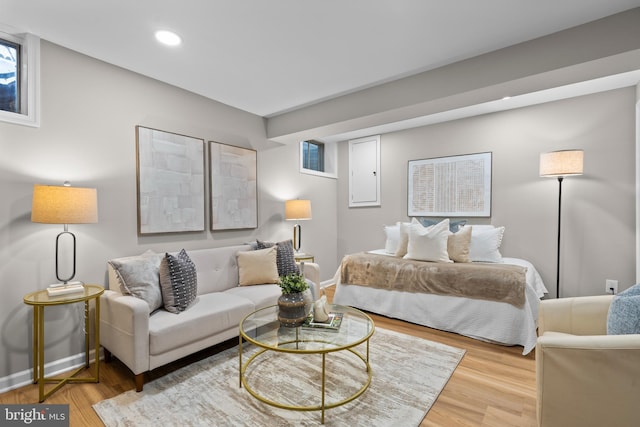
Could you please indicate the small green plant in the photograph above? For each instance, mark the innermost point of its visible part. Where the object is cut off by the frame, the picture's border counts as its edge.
(293, 283)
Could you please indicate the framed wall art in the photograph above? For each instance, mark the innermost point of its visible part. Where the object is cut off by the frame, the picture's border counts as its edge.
(170, 182)
(234, 187)
(456, 186)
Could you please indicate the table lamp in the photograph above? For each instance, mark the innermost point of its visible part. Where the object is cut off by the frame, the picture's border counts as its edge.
(560, 164)
(297, 210)
(64, 205)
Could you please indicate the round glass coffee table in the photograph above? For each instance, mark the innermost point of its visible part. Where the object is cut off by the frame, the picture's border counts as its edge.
(263, 329)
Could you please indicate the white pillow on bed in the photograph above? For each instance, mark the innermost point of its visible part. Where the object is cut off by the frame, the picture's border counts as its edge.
(392, 233)
(430, 243)
(485, 244)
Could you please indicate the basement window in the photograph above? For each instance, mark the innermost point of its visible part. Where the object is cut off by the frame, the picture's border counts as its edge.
(19, 78)
(9, 76)
(313, 155)
(319, 158)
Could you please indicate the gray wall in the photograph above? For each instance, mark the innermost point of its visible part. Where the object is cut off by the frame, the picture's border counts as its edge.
(89, 113)
(598, 228)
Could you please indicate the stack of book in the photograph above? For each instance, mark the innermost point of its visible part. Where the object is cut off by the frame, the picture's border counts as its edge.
(332, 324)
(64, 289)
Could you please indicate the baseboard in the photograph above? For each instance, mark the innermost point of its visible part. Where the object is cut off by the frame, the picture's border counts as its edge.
(23, 378)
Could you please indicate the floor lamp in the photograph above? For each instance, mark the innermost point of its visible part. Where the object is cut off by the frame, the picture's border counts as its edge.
(297, 210)
(64, 205)
(558, 164)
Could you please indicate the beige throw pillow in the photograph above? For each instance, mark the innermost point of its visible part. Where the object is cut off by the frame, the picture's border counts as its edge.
(258, 267)
(458, 245)
(403, 240)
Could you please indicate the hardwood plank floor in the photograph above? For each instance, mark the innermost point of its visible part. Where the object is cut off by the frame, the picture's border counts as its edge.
(493, 385)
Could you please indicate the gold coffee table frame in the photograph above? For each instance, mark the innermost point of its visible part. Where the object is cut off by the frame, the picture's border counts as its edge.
(41, 299)
(323, 342)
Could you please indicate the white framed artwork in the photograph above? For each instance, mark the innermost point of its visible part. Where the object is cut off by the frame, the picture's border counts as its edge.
(170, 182)
(455, 186)
(234, 187)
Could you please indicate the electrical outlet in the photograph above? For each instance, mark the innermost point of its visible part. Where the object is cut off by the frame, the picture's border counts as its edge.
(611, 286)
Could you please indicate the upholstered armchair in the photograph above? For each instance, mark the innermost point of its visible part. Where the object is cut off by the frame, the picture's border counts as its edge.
(584, 376)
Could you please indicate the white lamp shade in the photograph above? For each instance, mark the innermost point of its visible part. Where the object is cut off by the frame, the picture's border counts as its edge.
(297, 209)
(561, 163)
(64, 205)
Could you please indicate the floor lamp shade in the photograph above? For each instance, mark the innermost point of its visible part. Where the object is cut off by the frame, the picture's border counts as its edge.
(558, 164)
(64, 205)
(561, 163)
(296, 210)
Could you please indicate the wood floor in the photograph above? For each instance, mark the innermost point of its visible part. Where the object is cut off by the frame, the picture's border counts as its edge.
(493, 385)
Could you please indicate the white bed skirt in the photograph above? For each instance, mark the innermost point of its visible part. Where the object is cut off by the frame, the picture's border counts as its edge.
(491, 321)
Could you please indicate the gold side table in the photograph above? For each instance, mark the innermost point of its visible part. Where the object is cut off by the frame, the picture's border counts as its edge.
(41, 299)
(303, 257)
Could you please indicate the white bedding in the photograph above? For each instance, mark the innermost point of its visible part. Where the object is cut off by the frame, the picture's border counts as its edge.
(491, 321)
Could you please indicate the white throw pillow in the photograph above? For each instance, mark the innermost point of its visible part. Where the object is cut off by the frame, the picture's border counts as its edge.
(429, 244)
(392, 234)
(485, 244)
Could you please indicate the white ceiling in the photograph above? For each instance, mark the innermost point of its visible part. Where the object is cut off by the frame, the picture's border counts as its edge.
(272, 56)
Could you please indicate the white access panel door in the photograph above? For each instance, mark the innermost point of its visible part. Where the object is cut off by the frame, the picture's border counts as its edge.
(364, 171)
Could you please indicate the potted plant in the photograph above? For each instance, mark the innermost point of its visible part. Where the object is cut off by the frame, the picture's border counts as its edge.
(292, 307)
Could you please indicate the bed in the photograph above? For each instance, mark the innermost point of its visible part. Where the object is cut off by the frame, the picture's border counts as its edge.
(497, 321)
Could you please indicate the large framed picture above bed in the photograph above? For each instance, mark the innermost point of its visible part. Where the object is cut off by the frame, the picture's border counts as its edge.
(455, 186)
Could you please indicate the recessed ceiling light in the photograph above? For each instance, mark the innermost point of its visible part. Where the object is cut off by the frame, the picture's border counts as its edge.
(168, 37)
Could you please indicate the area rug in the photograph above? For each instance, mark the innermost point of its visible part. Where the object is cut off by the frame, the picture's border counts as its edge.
(408, 375)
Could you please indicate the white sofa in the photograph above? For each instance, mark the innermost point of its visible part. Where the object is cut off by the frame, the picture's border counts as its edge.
(584, 376)
(144, 341)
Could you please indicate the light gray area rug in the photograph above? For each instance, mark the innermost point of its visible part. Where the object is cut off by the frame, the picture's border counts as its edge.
(408, 375)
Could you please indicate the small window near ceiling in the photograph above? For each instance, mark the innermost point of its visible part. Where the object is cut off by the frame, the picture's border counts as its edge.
(319, 158)
(19, 77)
(9, 76)
(313, 155)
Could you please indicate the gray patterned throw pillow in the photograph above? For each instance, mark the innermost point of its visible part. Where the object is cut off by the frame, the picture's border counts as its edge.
(178, 282)
(284, 259)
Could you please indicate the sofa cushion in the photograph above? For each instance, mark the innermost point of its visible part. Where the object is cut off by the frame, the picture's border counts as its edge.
(217, 267)
(285, 260)
(138, 276)
(260, 296)
(178, 282)
(257, 267)
(209, 315)
(624, 312)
